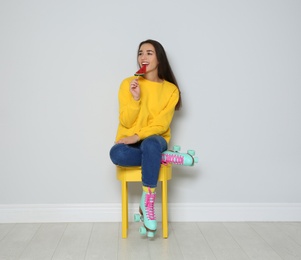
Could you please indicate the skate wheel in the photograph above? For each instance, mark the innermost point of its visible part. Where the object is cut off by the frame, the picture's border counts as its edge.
(137, 217)
(142, 230)
(191, 152)
(176, 148)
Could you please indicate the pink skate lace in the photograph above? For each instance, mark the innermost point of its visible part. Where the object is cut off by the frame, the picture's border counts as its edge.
(172, 158)
(149, 205)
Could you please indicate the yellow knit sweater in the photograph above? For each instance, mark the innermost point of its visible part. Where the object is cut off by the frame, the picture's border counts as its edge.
(150, 115)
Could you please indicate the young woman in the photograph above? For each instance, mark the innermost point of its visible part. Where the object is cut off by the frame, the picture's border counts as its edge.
(146, 109)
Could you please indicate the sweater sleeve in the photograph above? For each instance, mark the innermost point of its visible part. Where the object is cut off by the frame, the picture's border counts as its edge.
(161, 123)
(128, 107)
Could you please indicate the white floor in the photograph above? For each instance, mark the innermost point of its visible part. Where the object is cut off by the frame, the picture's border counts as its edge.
(251, 240)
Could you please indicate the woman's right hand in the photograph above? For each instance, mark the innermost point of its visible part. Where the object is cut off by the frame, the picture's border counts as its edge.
(129, 140)
(135, 89)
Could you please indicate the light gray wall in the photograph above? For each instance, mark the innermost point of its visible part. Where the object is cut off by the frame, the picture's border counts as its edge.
(238, 65)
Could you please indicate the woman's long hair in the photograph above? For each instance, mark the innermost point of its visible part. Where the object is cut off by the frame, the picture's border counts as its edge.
(164, 70)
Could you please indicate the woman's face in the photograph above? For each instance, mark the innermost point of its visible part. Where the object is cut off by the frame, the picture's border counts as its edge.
(147, 56)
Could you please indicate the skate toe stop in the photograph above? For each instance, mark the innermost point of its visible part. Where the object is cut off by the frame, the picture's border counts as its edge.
(150, 234)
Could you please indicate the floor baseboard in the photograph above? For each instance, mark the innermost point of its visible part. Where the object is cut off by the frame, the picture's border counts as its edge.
(178, 212)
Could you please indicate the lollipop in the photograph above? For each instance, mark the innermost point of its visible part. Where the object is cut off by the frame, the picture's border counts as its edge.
(141, 71)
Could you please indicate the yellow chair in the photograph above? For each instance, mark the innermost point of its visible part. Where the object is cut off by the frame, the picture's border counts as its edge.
(133, 174)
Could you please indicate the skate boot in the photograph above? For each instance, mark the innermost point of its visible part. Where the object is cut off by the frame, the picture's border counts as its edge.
(175, 157)
(147, 214)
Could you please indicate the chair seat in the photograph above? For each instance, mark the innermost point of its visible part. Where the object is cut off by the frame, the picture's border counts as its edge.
(133, 174)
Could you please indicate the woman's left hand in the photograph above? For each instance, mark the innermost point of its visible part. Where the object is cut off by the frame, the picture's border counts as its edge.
(129, 140)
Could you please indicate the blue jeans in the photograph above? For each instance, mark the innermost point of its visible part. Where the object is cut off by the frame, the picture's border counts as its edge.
(145, 153)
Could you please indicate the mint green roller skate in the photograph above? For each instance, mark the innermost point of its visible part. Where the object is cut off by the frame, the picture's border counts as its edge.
(147, 214)
(175, 157)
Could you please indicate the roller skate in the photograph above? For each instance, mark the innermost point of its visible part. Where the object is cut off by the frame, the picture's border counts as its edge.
(147, 214)
(175, 157)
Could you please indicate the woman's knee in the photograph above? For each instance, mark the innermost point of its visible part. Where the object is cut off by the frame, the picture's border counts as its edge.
(154, 142)
(116, 153)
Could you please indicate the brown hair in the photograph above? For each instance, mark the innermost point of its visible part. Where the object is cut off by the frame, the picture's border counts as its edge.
(164, 70)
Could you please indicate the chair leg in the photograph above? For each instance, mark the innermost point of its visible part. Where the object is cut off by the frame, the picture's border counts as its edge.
(124, 206)
(164, 209)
